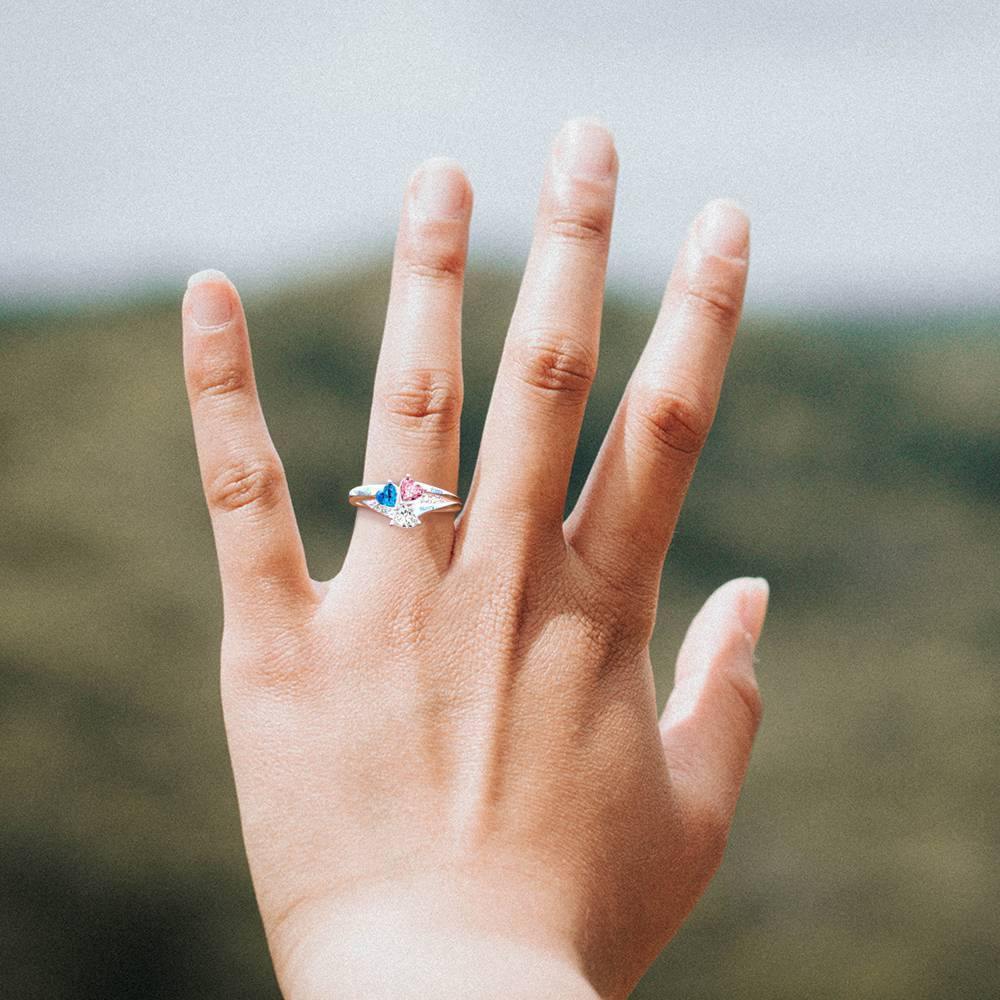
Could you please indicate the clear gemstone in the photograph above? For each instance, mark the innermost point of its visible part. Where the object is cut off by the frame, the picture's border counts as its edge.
(403, 517)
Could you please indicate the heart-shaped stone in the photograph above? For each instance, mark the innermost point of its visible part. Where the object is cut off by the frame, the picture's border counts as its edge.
(409, 489)
(387, 495)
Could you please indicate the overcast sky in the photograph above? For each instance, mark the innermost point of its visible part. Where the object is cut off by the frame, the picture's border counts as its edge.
(143, 141)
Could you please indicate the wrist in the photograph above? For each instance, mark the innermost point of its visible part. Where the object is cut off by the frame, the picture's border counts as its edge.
(397, 945)
(425, 962)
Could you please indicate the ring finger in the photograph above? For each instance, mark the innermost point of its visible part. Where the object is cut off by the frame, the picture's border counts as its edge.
(550, 355)
(417, 399)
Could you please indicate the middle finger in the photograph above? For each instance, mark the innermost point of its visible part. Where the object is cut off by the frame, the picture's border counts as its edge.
(550, 355)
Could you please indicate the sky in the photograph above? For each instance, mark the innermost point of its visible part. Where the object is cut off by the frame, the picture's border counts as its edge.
(140, 142)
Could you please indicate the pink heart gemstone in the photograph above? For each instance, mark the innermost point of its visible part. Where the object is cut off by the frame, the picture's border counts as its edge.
(409, 490)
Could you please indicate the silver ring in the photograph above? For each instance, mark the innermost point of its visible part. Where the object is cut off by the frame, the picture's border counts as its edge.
(405, 502)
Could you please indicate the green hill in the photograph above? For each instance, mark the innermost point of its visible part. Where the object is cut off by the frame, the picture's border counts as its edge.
(854, 463)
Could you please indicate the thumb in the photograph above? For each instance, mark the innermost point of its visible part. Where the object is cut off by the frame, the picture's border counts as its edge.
(713, 713)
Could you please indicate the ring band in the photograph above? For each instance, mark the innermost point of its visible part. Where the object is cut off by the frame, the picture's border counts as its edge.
(405, 502)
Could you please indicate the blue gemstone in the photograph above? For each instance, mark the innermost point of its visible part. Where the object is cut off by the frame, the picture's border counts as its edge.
(387, 495)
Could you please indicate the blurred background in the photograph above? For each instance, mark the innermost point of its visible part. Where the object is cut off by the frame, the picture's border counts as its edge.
(854, 461)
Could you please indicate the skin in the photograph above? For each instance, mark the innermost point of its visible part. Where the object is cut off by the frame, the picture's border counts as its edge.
(459, 786)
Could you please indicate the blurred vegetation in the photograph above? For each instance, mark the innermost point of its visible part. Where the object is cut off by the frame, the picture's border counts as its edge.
(854, 463)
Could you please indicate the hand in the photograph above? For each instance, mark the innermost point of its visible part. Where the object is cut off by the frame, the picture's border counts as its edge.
(451, 777)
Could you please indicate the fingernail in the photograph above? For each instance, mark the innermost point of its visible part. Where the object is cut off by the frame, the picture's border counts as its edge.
(211, 299)
(585, 148)
(753, 607)
(723, 230)
(440, 188)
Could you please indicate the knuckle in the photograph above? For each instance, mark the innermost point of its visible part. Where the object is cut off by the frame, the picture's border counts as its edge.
(258, 656)
(617, 638)
(425, 398)
(714, 300)
(439, 268)
(746, 691)
(676, 421)
(556, 364)
(217, 376)
(624, 600)
(434, 257)
(589, 225)
(245, 483)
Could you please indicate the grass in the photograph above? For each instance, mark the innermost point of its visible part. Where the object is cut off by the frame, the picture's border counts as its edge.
(854, 462)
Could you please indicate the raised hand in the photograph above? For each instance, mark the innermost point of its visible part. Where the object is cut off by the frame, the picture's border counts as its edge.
(451, 776)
